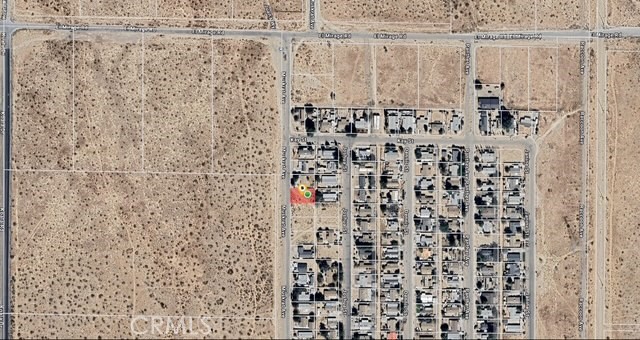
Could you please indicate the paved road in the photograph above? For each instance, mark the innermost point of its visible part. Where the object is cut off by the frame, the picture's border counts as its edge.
(468, 139)
(601, 173)
(601, 188)
(347, 238)
(409, 241)
(284, 197)
(6, 149)
(470, 128)
(4, 219)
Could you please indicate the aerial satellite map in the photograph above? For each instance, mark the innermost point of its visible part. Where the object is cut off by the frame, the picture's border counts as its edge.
(320, 169)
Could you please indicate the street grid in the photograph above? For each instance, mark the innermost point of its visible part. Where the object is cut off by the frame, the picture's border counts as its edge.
(188, 173)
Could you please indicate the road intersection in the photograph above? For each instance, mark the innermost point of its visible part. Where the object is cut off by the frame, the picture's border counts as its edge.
(468, 139)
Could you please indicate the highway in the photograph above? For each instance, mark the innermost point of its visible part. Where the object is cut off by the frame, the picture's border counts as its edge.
(6, 156)
(468, 139)
(5, 306)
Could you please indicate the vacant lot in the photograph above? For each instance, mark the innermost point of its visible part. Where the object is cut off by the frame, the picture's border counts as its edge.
(557, 233)
(397, 75)
(353, 75)
(441, 72)
(543, 63)
(422, 14)
(489, 15)
(158, 218)
(622, 212)
(515, 76)
(245, 14)
(562, 14)
(245, 107)
(313, 73)
(492, 15)
(569, 86)
(43, 95)
(108, 109)
(623, 13)
(488, 64)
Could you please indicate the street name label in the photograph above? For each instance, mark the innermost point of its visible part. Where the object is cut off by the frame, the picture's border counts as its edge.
(140, 29)
(510, 36)
(283, 221)
(467, 58)
(269, 12)
(346, 159)
(580, 314)
(283, 302)
(581, 220)
(581, 127)
(1, 219)
(582, 57)
(603, 35)
(283, 99)
(334, 35)
(390, 36)
(312, 14)
(208, 32)
(283, 163)
(72, 27)
(345, 221)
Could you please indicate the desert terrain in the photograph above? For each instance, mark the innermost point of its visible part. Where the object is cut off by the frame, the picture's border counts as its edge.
(623, 13)
(549, 81)
(125, 207)
(557, 231)
(374, 75)
(622, 252)
(488, 15)
(233, 14)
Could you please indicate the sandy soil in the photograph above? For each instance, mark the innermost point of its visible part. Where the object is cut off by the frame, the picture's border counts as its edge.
(492, 15)
(245, 108)
(440, 85)
(557, 234)
(108, 110)
(288, 14)
(622, 210)
(562, 14)
(488, 64)
(353, 75)
(488, 15)
(384, 15)
(623, 13)
(75, 327)
(569, 78)
(43, 106)
(312, 89)
(312, 57)
(543, 64)
(313, 73)
(396, 75)
(515, 75)
(114, 243)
